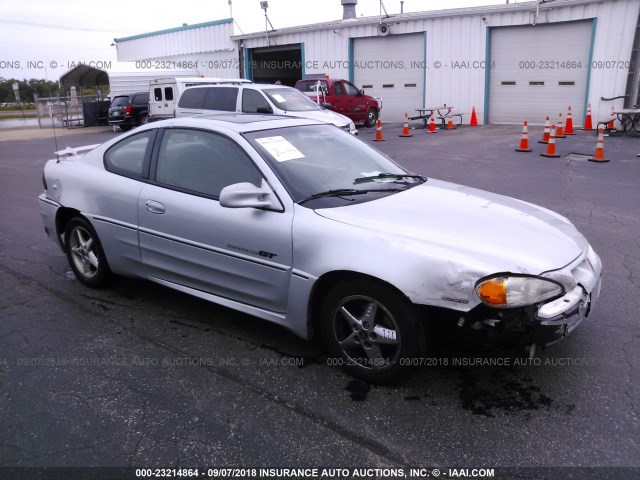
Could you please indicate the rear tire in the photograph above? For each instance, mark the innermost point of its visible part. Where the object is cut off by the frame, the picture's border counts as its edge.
(125, 128)
(85, 254)
(371, 330)
(372, 118)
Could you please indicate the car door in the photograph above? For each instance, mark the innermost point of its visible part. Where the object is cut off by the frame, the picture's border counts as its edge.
(254, 101)
(113, 196)
(356, 103)
(188, 239)
(163, 101)
(140, 106)
(339, 102)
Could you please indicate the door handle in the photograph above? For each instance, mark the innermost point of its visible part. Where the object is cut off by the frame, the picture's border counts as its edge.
(154, 207)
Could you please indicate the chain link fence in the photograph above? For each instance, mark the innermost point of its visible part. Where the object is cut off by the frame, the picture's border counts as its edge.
(72, 111)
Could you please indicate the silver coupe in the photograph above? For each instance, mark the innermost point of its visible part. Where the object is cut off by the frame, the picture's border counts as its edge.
(304, 225)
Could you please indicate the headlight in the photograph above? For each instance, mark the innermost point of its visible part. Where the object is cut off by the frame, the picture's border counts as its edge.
(516, 291)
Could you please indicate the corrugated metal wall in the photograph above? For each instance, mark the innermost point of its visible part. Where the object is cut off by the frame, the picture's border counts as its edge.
(455, 55)
(210, 46)
(459, 44)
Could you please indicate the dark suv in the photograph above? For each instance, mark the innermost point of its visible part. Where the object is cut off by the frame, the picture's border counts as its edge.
(128, 111)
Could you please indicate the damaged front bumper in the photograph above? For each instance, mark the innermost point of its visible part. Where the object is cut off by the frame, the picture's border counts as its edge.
(542, 324)
(557, 319)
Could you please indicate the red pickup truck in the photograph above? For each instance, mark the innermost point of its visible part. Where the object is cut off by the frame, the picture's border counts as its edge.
(343, 97)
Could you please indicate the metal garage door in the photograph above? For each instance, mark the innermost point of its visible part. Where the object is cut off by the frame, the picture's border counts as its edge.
(539, 71)
(390, 68)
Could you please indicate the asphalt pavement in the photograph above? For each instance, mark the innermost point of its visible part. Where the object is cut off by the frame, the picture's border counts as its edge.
(138, 375)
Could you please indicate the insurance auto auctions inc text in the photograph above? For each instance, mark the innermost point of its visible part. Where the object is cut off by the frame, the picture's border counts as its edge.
(349, 473)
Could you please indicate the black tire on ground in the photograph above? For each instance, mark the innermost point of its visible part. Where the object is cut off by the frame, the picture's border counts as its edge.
(125, 128)
(85, 254)
(143, 119)
(371, 330)
(372, 118)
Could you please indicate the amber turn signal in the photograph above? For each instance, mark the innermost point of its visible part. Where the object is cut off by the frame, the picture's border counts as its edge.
(493, 291)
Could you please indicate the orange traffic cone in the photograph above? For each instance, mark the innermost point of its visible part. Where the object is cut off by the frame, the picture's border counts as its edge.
(568, 128)
(598, 156)
(551, 146)
(474, 119)
(379, 132)
(560, 127)
(611, 125)
(405, 127)
(432, 124)
(450, 125)
(587, 121)
(524, 139)
(547, 132)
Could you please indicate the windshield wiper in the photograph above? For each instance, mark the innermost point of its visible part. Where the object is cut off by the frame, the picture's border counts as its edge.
(338, 192)
(344, 192)
(397, 176)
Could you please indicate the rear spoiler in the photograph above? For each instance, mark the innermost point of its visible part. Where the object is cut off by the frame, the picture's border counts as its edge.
(72, 152)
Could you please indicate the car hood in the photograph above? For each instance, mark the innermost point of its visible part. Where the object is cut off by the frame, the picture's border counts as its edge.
(326, 116)
(500, 232)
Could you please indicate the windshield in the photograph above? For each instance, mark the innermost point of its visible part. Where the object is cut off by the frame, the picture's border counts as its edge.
(290, 100)
(324, 160)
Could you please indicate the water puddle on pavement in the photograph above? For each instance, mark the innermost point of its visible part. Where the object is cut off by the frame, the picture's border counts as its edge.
(358, 390)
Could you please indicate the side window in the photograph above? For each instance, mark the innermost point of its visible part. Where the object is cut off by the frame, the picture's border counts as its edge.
(192, 98)
(168, 93)
(338, 89)
(222, 98)
(140, 99)
(157, 94)
(352, 91)
(202, 162)
(304, 86)
(127, 157)
(252, 100)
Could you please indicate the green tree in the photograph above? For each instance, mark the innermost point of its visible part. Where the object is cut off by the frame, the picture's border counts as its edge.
(26, 88)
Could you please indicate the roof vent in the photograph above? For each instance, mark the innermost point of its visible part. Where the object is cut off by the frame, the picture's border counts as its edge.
(349, 9)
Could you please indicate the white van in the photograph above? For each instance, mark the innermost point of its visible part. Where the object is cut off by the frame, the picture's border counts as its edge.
(164, 93)
(256, 98)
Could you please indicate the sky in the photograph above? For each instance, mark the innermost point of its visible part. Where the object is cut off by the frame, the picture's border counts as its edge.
(48, 38)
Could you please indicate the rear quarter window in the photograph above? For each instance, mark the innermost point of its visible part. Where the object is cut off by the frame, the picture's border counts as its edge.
(141, 99)
(129, 156)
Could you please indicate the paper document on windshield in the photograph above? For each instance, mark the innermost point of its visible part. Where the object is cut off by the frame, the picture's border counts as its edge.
(280, 148)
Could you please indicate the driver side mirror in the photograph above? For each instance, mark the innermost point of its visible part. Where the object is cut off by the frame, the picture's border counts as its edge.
(247, 195)
(327, 106)
(264, 110)
(361, 92)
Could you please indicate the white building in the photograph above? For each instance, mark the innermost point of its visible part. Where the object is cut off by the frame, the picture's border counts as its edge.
(206, 47)
(511, 62)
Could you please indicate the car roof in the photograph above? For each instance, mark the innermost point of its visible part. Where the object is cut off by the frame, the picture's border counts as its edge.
(237, 122)
(131, 94)
(255, 86)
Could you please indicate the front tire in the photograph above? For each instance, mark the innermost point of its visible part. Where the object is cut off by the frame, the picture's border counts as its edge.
(371, 330)
(372, 118)
(85, 254)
